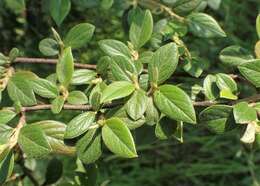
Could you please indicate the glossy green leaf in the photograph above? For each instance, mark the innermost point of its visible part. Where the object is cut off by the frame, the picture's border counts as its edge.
(33, 142)
(118, 138)
(211, 90)
(165, 128)
(203, 25)
(49, 47)
(53, 172)
(21, 91)
(6, 167)
(141, 28)
(89, 147)
(186, 6)
(83, 77)
(117, 90)
(80, 124)
(165, 60)
(59, 9)
(218, 118)
(6, 116)
(251, 71)
(137, 104)
(227, 86)
(175, 103)
(54, 132)
(79, 35)
(57, 104)
(77, 98)
(45, 88)
(114, 48)
(243, 113)
(235, 55)
(65, 67)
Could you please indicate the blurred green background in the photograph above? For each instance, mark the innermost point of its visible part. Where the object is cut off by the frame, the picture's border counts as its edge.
(203, 159)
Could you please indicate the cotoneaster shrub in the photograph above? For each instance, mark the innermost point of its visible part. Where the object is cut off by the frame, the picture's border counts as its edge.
(133, 84)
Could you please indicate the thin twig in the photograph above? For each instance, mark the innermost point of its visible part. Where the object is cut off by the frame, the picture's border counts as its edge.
(51, 62)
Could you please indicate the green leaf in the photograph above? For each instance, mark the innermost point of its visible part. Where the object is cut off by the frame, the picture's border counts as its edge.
(21, 91)
(77, 98)
(211, 90)
(80, 124)
(165, 60)
(249, 133)
(57, 104)
(122, 68)
(118, 138)
(89, 147)
(227, 86)
(83, 77)
(141, 28)
(45, 88)
(59, 9)
(54, 171)
(117, 90)
(194, 66)
(3, 60)
(258, 25)
(235, 55)
(6, 116)
(106, 4)
(243, 113)
(6, 167)
(251, 71)
(203, 25)
(137, 104)
(79, 35)
(114, 48)
(165, 128)
(95, 95)
(5, 134)
(175, 103)
(218, 118)
(151, 113)
(13, 54)
(33, 142)
(54, 132)
(65, 67)
(49, 47)
(186, 6)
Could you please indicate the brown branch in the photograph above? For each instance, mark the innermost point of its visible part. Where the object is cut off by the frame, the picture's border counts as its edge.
(51, 62)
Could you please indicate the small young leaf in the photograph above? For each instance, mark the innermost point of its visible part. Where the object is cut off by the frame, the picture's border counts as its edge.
(203, 25)
(77, 98)
(118, 138)
(6, 116)
(114, 48)
(117, 90)
(33, 142)
(137, 104)
(45, 88)
(65, 67)
(218, 118)
(175, 103)
(227, 86)
(151, 113)
(89, 147)
(83, 77)
(243, 113)
(235, 55)
(141, 28)
(57, 104)
(79, 35)
(165, 59)
(79, 125)
(59, 9)
(49, 47)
